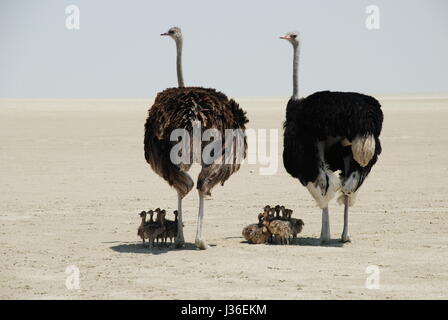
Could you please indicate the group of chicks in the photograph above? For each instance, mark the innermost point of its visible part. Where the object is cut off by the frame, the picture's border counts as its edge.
(272, 227)
(158, 230)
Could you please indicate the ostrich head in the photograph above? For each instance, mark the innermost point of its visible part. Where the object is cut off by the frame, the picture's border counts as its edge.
(161, 216)
(260, 219)
(176, 213)
(292, 37)
(288, 213)
(142, 214)
(175, 33)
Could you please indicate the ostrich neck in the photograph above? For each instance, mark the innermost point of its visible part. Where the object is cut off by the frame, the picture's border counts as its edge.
(180, 78)
(295, 73)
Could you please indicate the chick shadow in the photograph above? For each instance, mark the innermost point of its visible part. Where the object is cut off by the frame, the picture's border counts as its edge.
(140, 249)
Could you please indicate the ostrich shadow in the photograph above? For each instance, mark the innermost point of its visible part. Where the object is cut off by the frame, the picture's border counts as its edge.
(308, 242)
(138, 248)
(315, 242)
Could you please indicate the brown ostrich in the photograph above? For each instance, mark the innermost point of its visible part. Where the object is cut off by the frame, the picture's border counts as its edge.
(185, 108)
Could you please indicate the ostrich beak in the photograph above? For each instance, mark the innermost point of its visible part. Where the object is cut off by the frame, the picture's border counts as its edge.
(285, 38)
(164, 34)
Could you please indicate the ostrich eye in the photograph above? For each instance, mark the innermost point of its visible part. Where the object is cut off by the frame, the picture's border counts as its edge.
(171, 32)
(293, 36)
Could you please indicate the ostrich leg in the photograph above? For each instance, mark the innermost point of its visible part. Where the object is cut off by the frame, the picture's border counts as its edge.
(325, 231)
(180, 227)
(200, 242)
(208, 178)
(345, 237)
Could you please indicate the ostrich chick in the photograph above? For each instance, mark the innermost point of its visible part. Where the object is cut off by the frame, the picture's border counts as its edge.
(141, 228)
(162, 237)
(296, 227)
(256, 233)
(153, 231)
(277, 209)
(296, 224)
(273, 215)
(151, 217)
(280, 229)
(286, 213)
(171, 228)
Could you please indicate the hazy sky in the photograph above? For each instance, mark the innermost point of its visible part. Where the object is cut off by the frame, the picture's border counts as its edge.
(229, 45)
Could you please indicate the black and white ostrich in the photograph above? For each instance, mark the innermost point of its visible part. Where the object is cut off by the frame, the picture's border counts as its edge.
(183, 108)
(330, 131)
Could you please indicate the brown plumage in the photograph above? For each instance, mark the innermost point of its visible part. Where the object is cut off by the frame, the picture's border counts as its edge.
(277, 209)
(155, 230)
(271, 225)
(277, 228)
(176, 108)
(296, 224)
(286, 214)
(161, 237)
(171, 228)
(296, 227)
(281, 229)
(273, 215)
(151, 217)
(256, 233)
(179, 108)
(141, 228)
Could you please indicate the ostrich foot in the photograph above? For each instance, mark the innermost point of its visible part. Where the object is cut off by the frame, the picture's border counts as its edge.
(200, 244)
(179, 243)
(325, 233)
(324, 239)
(345, 238)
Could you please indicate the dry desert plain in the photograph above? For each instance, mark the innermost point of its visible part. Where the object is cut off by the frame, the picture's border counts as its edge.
(73, 179)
